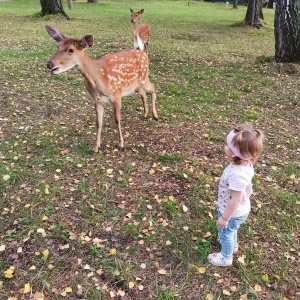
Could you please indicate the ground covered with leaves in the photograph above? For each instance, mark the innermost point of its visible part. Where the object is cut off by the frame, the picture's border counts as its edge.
(139, 224)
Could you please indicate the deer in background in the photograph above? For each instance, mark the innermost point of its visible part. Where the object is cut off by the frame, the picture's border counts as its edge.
(107, 78)
(141, 32)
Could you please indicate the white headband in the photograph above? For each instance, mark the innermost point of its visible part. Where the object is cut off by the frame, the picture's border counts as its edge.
(234, 149)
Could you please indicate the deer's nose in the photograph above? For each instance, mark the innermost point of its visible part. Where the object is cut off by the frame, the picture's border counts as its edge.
(50, 65)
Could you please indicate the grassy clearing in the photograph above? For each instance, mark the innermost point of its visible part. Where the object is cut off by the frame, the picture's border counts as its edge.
(112, 225)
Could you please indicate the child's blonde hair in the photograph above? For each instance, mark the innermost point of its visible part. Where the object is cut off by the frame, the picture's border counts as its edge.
(249, 141)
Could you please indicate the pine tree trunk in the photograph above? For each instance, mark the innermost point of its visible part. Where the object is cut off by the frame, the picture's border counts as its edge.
(287, 31)
(52, 7)
(254, 13)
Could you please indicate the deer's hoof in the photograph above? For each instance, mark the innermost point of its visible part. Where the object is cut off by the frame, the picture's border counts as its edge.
(96, 149)
(120, 149)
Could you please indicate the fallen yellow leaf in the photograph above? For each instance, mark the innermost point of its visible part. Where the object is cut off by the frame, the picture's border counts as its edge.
(233, 288)
(209, 297)
(45, 254)
(47, 189)
(162, 271)
(99, 271)
(207, 234)
(121, 293)
(38, 296)
(109, 171)
(112, 251)
(265, 277)
(27, 288)
(9, 273)
(241, 259)
(257, 288)
(201, 270)
(131, 284)
(68, 289)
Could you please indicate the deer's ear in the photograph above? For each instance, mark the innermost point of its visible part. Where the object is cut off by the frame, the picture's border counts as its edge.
(141, 11)
(87, 41)
(55, 34)
(131, 9)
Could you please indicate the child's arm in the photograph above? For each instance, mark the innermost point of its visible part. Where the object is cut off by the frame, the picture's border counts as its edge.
(233, 204)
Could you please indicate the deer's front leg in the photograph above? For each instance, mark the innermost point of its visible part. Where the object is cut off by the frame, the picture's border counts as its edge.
(117, 110)
(99, 121)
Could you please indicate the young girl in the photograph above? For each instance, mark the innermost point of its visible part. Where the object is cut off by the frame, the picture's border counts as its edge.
(244, 146)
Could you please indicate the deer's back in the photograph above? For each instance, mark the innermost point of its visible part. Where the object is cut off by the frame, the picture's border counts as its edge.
(144, 32)
(122, 72)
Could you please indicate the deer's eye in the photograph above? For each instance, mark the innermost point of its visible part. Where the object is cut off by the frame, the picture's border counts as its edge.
(71, 50)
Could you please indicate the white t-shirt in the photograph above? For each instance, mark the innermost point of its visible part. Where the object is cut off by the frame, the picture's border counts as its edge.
(237, 178)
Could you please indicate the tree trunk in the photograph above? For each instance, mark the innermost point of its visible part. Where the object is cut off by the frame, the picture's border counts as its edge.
(235, 3)
(91, 1)
(287, 31)
(52, 7)
(254, 14)
(270, 3)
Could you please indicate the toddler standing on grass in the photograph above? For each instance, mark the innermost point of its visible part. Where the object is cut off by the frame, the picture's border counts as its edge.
(244, 146)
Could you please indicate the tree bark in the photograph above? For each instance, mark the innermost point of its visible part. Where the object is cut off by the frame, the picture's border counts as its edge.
(270, 3)
(287, 31)
(235, 3)
(254, 13)
(52, 7)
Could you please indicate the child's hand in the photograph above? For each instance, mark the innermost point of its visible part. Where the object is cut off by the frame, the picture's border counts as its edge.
(222, 223)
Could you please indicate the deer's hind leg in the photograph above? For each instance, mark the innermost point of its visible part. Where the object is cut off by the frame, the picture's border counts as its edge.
(149, 87)
(143, 95)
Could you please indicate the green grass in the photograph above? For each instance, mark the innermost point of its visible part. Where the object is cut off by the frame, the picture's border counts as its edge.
(112, 219)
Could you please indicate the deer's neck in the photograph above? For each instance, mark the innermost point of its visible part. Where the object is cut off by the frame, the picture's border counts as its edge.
(135, 27)
(88, 67)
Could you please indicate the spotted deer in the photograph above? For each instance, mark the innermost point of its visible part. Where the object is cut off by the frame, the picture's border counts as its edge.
(141, 32)
(107, 78)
